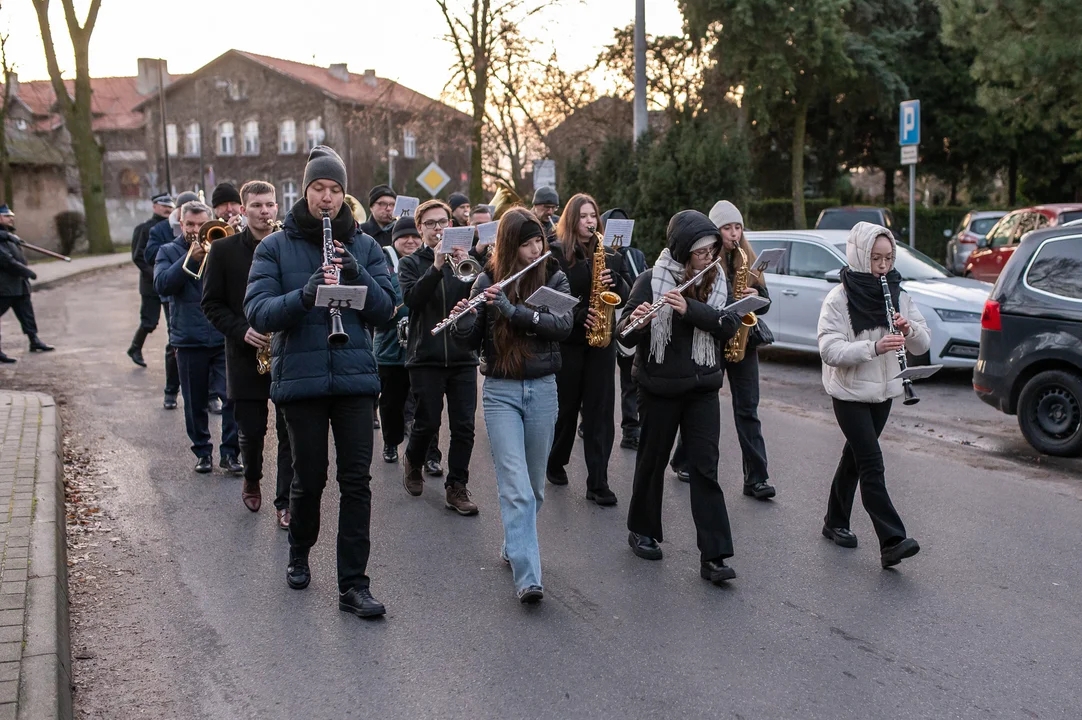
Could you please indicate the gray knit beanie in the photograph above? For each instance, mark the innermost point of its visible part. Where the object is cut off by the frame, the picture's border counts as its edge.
(724, 212)
(545, 196)
(324, 164)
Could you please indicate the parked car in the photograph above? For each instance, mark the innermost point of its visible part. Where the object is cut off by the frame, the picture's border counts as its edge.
(992, 253)
(973, 228)
(844, 218)
(1030, 362)
(951, 305)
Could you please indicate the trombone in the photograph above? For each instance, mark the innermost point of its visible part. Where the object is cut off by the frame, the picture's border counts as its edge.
(208, 232)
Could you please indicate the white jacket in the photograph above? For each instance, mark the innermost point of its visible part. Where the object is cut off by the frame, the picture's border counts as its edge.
(851, 369)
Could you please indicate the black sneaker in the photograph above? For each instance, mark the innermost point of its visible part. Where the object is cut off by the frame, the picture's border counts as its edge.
(390, 453)
(360, 602)
(760, 491)
(204, 465)
(716, 571)
(629, 442)
(843, 537)
(298, 574)
(603, 497)
(214, 406)
(899, 551)
(433, 468)
(556, 477)
(682, 475)
(644, 546)
(231, 465)
(531, 595)
(170, 402)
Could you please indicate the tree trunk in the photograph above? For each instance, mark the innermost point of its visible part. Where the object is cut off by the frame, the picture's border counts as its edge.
(479, 97)
(1012, 179)
(954, 192)
(800, 123)
(888, 185)
(5, 159)
(92, 184)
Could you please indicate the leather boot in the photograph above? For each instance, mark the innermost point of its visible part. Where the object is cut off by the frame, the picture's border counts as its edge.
(135, 352)
(36, 345)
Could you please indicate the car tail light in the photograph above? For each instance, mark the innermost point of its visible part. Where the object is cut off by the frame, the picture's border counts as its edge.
(990, 319)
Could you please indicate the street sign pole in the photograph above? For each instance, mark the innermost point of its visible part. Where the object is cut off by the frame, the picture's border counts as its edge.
(909, 140)
(912, 206)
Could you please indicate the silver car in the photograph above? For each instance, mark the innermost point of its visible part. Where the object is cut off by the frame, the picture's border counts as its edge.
(951, 305)
(973, 228)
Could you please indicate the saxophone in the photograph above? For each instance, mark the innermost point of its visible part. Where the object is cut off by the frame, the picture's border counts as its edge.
(263, 355)
(602, 300)
(738, 344)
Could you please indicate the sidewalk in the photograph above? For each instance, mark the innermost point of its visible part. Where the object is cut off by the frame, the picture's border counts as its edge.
(35, 656)
(51, 273)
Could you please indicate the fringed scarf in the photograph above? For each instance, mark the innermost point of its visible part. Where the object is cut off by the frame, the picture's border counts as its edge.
(667, 275)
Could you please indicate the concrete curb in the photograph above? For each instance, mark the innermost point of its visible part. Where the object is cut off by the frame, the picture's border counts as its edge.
(45, 683)
(36, 286)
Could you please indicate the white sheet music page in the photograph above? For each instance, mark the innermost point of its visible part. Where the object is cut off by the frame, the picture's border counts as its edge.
(486, 233)
(405, 205)
(618, 232)
(456, 237)
(557, 302)
(343, 297)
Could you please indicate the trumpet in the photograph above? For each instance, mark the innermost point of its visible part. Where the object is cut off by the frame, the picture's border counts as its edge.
(650, 314)
(208, 232)
(478, 299)
(465, 270)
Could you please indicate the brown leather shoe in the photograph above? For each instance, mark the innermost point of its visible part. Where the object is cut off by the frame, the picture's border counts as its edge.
(458, 499)
(251, 496)
(412, 479)
(283, 518)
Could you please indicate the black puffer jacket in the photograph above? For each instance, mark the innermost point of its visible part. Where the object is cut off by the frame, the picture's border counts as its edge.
(476, 331)
(580, 277)
(382, 235)
(430, 295)
(679, 374)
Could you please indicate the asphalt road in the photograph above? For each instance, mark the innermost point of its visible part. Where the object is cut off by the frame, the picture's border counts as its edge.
(190, 616)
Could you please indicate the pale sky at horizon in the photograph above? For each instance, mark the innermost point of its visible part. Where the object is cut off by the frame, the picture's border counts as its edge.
(124, 32)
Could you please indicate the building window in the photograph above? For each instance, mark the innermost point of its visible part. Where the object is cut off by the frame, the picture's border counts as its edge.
(251, 137)
(313, 133)
(171, 139)
(192, 139)
(226, 145)
(409, 144)
(289, 194)
(21, 123)
(287, 137)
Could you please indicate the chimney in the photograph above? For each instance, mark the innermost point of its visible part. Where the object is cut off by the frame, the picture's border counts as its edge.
(147, 81)
(340, 72)
(13, 78)
(370, 78)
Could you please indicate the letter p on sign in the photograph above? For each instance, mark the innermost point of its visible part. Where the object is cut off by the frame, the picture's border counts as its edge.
(909, 123)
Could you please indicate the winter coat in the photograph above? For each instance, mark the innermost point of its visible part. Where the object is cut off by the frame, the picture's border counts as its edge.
(15, 274)
(161, 234)
(543, 352)
(139, 239)
(388, 351)
(224, 285)
(188, 326)
(382, 235)
(303, 364)
(430, 295)
(852, 370)
(580, 279)
(679, 374)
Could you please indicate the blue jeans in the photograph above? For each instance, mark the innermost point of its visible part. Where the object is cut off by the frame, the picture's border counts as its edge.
(202, 373)
(521, 419)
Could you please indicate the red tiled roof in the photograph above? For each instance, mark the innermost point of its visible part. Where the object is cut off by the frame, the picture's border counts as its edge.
(112, 102)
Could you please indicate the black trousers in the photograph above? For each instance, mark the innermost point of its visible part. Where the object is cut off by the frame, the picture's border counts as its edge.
(586, 383)
(202, 375)
(252, 416)
(629, 395)
(172, 373)
(744, 386)
(697, 416)
(23, 308)
(350, 421)
(397, 407)
(431, 384)
(862, 461)
(150, 310)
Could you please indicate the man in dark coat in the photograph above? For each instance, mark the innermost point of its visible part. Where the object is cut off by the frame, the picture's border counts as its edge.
(15, 277)
(317, 384)
(460, 209)
(163, 234)
(200, 348)
(380, 223)
(150, 305)
(545, 204)
(230, 260)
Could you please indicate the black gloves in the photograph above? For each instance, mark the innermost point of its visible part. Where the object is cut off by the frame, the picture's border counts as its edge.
(308, 295)
(349, 268)
(25, 271)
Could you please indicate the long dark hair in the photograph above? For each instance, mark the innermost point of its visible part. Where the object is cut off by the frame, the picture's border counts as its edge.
(511, 346)
(567, 228)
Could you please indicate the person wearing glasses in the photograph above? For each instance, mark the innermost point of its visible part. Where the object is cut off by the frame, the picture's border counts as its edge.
(545, 204)
(380, 223)
(437, 366)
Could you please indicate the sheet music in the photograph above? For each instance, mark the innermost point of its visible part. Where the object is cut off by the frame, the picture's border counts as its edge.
(919, 372)
(769, 258)
(405, 205)
(486, 233)
(343, 297)
(618, 232)
(747, 305)
(557, 302)
(461, 237)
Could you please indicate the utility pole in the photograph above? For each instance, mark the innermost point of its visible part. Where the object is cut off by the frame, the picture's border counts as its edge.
(640, 69)
(165, 139)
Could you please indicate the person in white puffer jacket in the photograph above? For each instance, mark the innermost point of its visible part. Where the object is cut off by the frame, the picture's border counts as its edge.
(859, 366)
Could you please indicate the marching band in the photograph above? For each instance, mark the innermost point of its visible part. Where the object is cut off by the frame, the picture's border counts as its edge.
(354, 314)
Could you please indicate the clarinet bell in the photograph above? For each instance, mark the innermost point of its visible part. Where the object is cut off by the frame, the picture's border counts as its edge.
(909, 396)
(339, 336)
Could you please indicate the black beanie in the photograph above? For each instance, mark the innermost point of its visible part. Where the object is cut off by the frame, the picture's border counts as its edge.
(223, 194)
(457, 199)
(324, 164)
(404, 226)
(380, 191)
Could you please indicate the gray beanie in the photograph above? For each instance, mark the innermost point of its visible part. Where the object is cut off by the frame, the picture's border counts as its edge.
(324, 164)
(545, 196)
(724, 212)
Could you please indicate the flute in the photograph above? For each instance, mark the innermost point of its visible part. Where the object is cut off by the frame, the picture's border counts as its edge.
(907, 384)
(650, 314)
(479, 298)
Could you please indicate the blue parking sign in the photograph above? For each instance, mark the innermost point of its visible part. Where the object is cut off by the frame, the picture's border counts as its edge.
(909, 123)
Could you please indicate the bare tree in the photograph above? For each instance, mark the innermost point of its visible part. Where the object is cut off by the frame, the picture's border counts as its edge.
(77, 116)
(5, 158)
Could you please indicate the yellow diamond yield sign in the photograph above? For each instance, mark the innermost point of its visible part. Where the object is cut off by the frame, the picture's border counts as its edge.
(433, 179)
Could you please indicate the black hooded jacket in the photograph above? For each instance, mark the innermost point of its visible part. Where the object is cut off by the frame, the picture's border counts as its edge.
(679, 374)
(382, 235)
(430, 295)
(580, 278)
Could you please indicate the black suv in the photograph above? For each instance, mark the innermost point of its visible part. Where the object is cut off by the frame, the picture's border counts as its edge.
(844, 218)
(1030, 361)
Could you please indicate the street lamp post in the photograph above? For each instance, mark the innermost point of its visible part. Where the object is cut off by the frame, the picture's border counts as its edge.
(391, 155)
(639, 110)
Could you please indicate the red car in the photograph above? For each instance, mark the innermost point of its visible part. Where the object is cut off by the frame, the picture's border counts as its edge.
(993, 252)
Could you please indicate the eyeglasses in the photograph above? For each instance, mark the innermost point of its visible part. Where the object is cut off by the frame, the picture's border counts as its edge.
(704, 253)
(883, 258)
(433, 224)
(385, 204)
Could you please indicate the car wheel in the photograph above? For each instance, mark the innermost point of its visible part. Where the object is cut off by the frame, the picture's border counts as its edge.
(1050, 413)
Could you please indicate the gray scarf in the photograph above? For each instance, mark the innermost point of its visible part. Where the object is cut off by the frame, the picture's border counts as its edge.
(667, 275)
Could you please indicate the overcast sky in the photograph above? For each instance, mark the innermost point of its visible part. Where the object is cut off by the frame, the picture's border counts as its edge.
(401, 40)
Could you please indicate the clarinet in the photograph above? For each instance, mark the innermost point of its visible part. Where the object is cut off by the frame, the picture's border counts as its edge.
(907, 384)
(338, 334)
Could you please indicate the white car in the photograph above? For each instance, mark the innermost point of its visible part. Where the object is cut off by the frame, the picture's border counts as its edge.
(810, 269)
